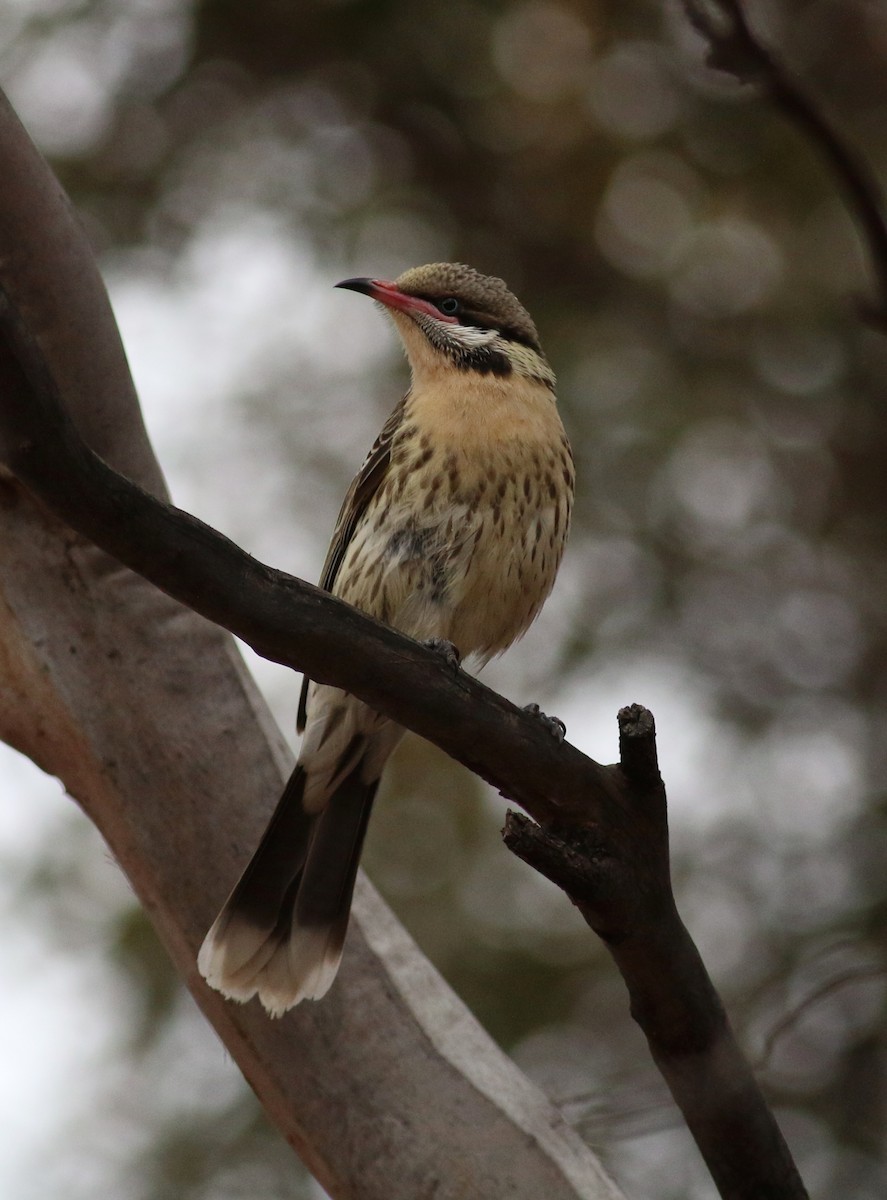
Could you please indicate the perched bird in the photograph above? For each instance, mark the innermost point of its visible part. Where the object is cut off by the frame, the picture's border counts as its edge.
(453, 529)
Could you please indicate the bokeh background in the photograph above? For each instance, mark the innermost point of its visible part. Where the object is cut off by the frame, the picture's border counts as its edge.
(694, 275)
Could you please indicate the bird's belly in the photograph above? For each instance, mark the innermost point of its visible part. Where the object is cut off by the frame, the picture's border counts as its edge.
(506, 579)
(464, 548)
(478, 571)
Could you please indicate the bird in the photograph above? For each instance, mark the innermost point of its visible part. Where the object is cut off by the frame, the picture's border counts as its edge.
(452, 532)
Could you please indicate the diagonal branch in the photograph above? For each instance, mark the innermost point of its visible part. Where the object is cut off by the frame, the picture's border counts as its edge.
(604, 829)
(618, 878)
(281, 617)
(735, 47)
(390, 1088)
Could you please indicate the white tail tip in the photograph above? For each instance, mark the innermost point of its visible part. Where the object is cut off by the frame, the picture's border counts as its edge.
(241, 961)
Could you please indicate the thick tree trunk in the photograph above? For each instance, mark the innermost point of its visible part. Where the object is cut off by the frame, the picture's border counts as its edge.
(387, 1089)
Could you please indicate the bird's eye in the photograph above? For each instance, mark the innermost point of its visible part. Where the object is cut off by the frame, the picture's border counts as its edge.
(450, 306)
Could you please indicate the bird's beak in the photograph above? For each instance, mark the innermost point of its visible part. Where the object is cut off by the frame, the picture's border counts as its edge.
(391, 296)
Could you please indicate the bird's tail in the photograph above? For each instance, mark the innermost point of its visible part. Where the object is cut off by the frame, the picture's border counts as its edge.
(281, 932)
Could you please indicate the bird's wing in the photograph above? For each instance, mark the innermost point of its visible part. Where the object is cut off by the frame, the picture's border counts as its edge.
(363, 487)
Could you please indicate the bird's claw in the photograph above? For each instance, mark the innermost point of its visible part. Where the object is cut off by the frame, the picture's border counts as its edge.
(554, 725)
(446, 650)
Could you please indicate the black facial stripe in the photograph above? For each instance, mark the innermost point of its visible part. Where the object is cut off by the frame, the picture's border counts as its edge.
(484, 321)
(507, 332)
(485, 360)
(510, 334)
(482, 359)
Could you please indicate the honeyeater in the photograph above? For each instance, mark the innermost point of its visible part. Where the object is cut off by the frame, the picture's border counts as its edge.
(452, 530)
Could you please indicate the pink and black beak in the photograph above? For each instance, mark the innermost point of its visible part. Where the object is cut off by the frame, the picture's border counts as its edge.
(391, 296)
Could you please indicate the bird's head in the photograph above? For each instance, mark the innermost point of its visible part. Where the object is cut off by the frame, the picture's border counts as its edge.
(449, 315)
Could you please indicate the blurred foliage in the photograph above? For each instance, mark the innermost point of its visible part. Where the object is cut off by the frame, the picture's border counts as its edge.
(694, 274)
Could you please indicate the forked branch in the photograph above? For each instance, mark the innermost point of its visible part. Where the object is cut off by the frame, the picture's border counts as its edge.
(615, 869)
(602, 831)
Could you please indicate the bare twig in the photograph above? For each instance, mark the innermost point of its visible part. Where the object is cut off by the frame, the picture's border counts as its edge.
(790, 1018)
(629, 1110)
(617, 875)
(736, 48)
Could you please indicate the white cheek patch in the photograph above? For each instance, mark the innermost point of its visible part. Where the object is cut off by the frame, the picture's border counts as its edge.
(462, 341)
(469, 336)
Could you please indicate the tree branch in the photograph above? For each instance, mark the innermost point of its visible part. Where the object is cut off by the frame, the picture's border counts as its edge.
(603, 833)
(618, 877)
(735, 48)
(389, 1089)
(281, 617)
(603, 830)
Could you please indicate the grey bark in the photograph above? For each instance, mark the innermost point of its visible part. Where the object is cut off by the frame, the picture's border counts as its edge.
(145, 711)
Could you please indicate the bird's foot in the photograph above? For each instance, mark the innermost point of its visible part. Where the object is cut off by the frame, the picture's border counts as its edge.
(554, 725)
(446, 650)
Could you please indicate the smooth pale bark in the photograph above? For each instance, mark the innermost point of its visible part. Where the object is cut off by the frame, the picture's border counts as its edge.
(388, 1088)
